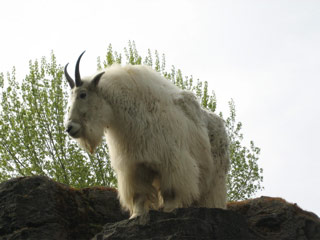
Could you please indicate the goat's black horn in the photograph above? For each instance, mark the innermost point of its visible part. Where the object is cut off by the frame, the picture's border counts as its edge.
(77, 73)
(69, 79)
(96, 79)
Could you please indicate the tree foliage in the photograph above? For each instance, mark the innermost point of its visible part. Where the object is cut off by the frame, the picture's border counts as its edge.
(32, 136)
(245, 176)
(33, 141)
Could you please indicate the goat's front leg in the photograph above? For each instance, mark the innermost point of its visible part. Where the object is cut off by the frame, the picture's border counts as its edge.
(139, 205)
(145, 194)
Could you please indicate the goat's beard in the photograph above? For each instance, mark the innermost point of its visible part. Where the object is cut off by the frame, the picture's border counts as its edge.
(90, 139)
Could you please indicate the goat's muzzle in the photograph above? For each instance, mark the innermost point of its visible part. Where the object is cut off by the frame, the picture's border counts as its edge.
(73, 129)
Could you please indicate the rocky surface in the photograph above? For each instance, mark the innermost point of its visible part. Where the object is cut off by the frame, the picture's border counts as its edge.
(39, 208)
(184, 223)
(274, 218)
(263, 218)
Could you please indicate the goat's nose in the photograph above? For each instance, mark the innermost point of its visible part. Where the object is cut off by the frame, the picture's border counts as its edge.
(73, 129)
(68, 129)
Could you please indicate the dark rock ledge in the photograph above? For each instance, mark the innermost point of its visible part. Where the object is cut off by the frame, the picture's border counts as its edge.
(40, 208)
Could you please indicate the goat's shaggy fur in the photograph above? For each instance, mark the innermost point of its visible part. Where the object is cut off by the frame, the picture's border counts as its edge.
(166, 150)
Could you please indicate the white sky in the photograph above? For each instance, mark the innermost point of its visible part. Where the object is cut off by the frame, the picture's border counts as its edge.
(263, 54)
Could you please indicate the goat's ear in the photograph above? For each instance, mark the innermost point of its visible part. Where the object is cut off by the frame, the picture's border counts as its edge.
(96, 79)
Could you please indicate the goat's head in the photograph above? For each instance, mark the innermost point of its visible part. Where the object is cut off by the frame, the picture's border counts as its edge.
(89, 114)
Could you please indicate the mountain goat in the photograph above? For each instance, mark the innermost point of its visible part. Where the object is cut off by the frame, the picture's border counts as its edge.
(166, 150)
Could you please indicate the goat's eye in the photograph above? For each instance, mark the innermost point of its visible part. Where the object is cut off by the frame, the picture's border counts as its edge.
(83, 95)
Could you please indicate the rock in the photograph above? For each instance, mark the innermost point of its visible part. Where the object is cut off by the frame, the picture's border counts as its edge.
(39, 208)
(262, 218)
(184, 223)
(274, 218)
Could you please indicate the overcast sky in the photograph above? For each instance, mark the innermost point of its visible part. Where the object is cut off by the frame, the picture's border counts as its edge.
(263, 54)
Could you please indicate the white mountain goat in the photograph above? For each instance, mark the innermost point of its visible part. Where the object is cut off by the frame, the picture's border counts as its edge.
(167, 152)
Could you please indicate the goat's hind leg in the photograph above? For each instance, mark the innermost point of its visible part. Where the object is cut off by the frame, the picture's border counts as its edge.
(170, 201)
